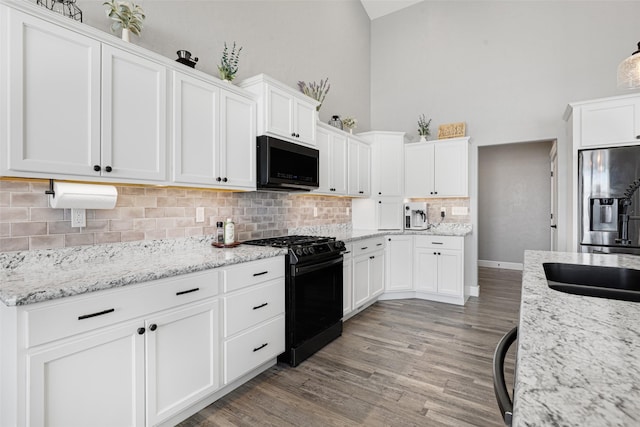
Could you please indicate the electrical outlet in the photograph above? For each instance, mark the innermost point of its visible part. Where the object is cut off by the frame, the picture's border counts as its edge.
(348, 211)
(315, 211)
(78, 217)
(199, 214)
(459, 210)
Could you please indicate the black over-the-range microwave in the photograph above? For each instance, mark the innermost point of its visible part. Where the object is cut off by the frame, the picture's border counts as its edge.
(285, 166)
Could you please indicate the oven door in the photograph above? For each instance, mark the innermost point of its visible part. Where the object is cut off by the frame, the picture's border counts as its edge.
(315, 298)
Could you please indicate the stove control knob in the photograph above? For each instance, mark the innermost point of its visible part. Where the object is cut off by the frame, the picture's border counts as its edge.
(311, 250)
(340, 244)
(305, 251)
(298, 251)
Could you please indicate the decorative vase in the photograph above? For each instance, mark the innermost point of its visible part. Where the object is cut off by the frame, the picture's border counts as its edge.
(423, 138)
(125, 34)
(351, 131)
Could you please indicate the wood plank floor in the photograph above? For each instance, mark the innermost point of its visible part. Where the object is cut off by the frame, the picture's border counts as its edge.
(399, 363)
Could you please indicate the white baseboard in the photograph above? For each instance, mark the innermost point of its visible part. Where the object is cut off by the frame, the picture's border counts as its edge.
(500, 264)
(474, 291)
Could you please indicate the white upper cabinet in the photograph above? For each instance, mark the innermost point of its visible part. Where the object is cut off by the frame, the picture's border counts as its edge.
(332, 145)
(608, 121)
(387, 163)
(52, 87)
(134, 116)
(437, 169)
(359, 168)
(283, 111)
(213, 135)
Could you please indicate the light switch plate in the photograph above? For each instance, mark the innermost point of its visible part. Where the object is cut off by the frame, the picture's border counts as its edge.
(459, 210)
(200, 214)
(78, 217)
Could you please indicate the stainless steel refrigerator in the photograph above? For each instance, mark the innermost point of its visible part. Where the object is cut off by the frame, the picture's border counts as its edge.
(609, 204)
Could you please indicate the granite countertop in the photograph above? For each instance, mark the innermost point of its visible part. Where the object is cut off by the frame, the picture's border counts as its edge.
(578, 359)
(34, 276)
(347, 234)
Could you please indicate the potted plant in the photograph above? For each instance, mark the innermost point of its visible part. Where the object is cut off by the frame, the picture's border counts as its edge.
(350, 123)
(126, 16)
(229, 62)
(317, 91)
(423, 127)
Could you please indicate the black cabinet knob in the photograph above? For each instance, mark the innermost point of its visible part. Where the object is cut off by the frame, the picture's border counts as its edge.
(379, 193)
(435, 253)
(153, 327)
(389, 239)
(293, 134)
(431, 192)
(96, 168)
(379, 202)
(140, 331)
(435, 192)
(371, 257)
(225, 179)
(108, 169)
(439, 253)
(637, 136)
(297, 135)
(218, 179)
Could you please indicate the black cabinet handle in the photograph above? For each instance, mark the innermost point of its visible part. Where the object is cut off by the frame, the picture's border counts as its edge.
(379, 193)
(261, 347)
(297, 135)
(264, 304)
(439, 253)
(637, 136)
(437, 243)
(153, 327)
(435, 253)
(361, 192)
(380, 244)
(347, 252)
(99, 313)
(225, 179)
(499, 384)
(188, 291)
(108, 169)
(379, 202)
(260, 274)
(435, 192)
(554, 226)
(293, 134)
(371, 257)
(366, 247)
(96, 168)
(140, 331)
(218, 179)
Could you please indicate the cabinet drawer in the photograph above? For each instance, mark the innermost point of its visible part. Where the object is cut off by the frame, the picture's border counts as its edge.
(442, 242)
(253, 306)
(251, 273)
(54, 320)
(369, 245)
(253, 348)
(348, 251)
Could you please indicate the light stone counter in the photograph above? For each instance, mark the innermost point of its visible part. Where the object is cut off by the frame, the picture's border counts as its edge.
(34, 276)
(578, 360)
(345, 233)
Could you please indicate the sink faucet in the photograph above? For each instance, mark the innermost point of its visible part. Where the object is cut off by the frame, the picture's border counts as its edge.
(624, 216)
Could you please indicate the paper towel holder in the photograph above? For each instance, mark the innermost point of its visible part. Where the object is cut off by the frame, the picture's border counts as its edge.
(50, 191)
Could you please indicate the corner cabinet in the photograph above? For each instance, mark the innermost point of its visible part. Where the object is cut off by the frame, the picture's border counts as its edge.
(283, 111)
(437, 169)
(438, 268)
(605, 122)
(399, 263)
(332, 145)
(213, 135)
(359, 168)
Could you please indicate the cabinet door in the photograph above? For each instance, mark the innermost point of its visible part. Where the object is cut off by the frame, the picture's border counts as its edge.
(237, 141)
(614, 121)
(279, 112)
(450, 169)
(425, 270)
(134, 116)
(450, 273)
(305, 122)
(195, 130)
(96, 380)
(361, 279)
(418, 174)
(388, 169)
(364, 170)
(347, 284)
(352, 161)
(399, 263)
(376, 273)
(390, 214)
(324, 147)
(53, 98)
(339, 164)
(182, 359)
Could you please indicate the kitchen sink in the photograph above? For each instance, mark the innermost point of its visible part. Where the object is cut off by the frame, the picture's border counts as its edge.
(594, 281)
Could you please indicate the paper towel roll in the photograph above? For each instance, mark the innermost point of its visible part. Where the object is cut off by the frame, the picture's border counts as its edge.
(83, 196)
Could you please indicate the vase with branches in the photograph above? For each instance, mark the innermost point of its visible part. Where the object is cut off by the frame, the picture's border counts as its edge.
(126, 16)
(423, 127)
(229, 62)
(317, 91)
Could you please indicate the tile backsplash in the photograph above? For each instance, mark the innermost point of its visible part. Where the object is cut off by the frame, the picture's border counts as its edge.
(149, 213)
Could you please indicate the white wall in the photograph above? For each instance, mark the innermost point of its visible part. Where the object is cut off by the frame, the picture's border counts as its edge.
(514, 200)
(289, 40)
(506, 68)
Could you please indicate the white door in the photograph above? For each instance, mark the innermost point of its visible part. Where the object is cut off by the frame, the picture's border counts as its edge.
(450, 169)
(323, 146)
(399, 258)
(449, 272)
(376, 273)
(388, 170)
(279, 112)
(553, 155)
(389, 214)
(352, 170)
(134, 116)
(195, 130)
(364, 169)
(182, 359)
(361, 280)
(96, 380)
(418, 174)
(237, 141)
(347, 285)
(53, 98)
(425, 270)
(305, 122)
(339, 164)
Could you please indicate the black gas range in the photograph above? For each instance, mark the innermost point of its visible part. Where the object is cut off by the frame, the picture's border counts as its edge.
(313, 293)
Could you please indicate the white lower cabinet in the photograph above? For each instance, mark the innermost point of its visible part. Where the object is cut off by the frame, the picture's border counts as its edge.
(368, 271)
(399, 263)
(347, 280)
(438, 266)
(143, 354)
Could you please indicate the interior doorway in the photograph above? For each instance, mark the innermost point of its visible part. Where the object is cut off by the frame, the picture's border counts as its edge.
(553, 159)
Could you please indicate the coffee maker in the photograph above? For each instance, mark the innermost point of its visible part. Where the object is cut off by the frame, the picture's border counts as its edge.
(416, 216)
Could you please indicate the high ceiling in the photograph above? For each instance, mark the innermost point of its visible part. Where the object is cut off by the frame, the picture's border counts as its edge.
(377, 8)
